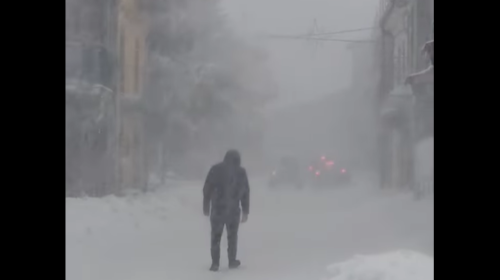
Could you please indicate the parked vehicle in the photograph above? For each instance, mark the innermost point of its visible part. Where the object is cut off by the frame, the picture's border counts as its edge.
(287, 173)
(326, 172)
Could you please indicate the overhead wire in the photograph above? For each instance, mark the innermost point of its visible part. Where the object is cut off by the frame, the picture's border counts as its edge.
(318, 36)
(318, 39)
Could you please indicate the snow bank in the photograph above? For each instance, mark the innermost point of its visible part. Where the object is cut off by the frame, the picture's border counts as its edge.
(399, 265)
(92, 215)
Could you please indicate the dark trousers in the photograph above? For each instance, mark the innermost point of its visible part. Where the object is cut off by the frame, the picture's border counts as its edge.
(232, 224)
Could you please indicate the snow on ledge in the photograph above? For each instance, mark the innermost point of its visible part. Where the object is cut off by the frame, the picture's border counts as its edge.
(399, 265)
(424, 76)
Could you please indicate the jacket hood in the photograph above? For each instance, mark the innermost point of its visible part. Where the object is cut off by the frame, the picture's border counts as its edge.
(232, 157)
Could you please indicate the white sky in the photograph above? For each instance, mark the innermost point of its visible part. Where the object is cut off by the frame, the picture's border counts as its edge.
(304, 70)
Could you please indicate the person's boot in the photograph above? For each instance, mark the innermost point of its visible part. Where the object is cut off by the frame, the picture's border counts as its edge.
(215, 250)
(214, 267)
(234, 263)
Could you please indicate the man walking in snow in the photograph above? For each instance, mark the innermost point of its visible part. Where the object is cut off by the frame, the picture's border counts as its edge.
(226, 187)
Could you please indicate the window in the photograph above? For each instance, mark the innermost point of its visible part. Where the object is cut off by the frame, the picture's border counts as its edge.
(77, 18)
(87, 63)
(432, 17)
(126, 140)
(122, 62)
(103, 70)
(136, 67)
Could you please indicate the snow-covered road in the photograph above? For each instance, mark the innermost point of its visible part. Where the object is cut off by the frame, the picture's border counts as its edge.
(290, 234)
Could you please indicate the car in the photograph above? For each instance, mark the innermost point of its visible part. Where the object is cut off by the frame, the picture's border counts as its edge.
(288, 173)
(326, 172)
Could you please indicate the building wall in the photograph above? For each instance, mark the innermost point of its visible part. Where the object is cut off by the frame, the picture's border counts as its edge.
(131, 49)
(410, 26)
(90, 48)
(424, 15)
(90, 118)
(106, 45)
(424, 101)
(396, 26)
(400, 58)
(406, 26)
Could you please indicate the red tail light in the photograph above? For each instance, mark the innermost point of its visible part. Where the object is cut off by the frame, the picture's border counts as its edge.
(330, 163)
(343, 171)
(310, 168)
(317, 173)
(323, 158)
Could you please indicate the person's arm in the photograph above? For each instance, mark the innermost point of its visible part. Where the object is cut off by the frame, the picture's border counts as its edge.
(207, 191)
(245, 198)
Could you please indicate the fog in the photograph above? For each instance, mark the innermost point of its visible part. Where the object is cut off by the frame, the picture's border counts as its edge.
(157, 91)
(324, 104)
(211, 78)
(304, 70)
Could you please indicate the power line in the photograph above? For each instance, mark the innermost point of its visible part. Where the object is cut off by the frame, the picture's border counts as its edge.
(302, 37)
(318, 36)
(341, 40)
(332, 32)
(343, 31)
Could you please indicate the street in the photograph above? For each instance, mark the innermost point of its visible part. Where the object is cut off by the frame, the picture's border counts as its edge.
(289, 235)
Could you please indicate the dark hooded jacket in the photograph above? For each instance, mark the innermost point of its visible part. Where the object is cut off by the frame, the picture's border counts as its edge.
(226, 187)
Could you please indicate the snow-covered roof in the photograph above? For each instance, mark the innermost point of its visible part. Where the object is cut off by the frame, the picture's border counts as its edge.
(74, 86)
(423, 77)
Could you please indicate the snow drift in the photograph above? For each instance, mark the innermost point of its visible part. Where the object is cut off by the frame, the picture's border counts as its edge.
(163, 234)
(399, 265)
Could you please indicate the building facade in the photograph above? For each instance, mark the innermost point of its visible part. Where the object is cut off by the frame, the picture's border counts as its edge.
(406, 119)
(91, 120)
(105, 50)
(132, 51)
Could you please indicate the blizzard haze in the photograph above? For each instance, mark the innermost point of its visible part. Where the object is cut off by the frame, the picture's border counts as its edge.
(319, 108)
(304, 70)
(158, 90)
